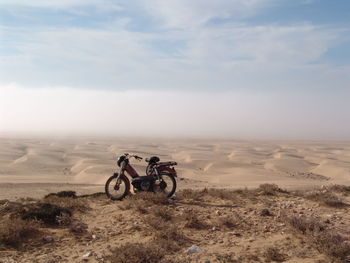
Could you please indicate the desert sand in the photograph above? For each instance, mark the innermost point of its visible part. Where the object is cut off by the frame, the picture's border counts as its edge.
(308, 222)
(37, 166)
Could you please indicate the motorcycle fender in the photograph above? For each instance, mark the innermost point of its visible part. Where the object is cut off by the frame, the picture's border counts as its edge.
(125, 177)
(168, 170)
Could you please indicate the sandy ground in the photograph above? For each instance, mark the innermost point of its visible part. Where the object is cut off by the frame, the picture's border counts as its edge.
(37, 166)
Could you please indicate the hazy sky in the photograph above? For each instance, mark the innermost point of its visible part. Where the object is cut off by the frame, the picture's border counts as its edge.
(256, 68)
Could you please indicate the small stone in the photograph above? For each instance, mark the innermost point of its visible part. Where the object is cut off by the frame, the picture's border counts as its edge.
(194, 249)
(48, 239)
(88, 254)
(214, 228)
(265, 212)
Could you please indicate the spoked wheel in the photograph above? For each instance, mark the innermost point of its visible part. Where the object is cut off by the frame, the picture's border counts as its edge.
(117, 189)
(166, 185)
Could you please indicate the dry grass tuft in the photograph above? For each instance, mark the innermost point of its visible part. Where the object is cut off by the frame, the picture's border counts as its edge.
(15, 232)
(193, 221)
(331, 243)
(163, 212)
(334, 245)
(270, 189)
(340, 189)
(151, 198)
(327, 198)
(228, 221)
(137, 253)
(72, 204)
(192, 194)
(170, 239)
(305, 225)
(45, 212)
(273, 254)
(69, 194)
(78, 227)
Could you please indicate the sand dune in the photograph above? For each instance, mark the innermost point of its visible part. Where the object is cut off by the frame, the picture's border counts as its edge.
(221, 163)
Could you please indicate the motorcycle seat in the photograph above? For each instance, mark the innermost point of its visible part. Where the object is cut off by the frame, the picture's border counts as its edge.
(167, 163)
(153, 159)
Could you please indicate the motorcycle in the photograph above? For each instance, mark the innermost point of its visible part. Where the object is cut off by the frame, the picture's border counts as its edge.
(160, 177)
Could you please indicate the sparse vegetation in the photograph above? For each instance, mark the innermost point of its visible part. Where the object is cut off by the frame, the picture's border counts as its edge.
(273, 254)
(45, 212)
(71, 203)
(78, 227)
(193, 221)
(165, 229)
(15, 232)
(69, 194)
(340, 189)
(228, 221)
(326, 240)
(326, 198)
(333, 244)
(305, 225)
(270, 189)
(137, 253)
(165, 213)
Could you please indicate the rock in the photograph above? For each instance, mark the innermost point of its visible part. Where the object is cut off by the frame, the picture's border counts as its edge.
(265, 212)
(88, 254)
(48, 239)
(194, 249)
(214, 228)
(237, 234)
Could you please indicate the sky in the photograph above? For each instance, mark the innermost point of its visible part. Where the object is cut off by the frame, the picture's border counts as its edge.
(233, 68)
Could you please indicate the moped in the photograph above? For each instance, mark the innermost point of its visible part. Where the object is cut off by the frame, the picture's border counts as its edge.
(160, 177)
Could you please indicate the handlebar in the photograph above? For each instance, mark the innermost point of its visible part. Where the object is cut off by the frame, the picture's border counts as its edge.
(135, 156)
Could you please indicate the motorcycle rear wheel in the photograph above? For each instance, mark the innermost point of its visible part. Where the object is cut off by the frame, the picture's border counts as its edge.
(170, 187)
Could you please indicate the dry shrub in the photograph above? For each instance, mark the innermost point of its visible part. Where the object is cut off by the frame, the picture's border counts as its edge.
(340, 189)
(167, 235)
(7, 207)
(326, 198)
(151, 198)
(142, 209)
(273, 254)
(170, 239)
(94, 195)
(78, 227)
(193, 221)
(14, 232)
(305, 225)
(192, 194)
(69, 194)
(70, 203)
(222, 194)
(270, 189)
(163, 212)
(228, 221)
(137, 253)
(331, 243)
(45, 212)
(334, 245)
(126, 205)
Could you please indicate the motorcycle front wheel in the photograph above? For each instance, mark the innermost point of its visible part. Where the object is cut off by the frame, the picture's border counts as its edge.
(117, 189)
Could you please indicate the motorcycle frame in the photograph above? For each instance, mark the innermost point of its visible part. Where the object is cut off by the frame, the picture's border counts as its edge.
(159, 170)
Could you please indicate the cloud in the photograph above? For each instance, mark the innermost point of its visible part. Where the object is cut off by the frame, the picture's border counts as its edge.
(233, 56)
(62, 4)
(194, 13)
